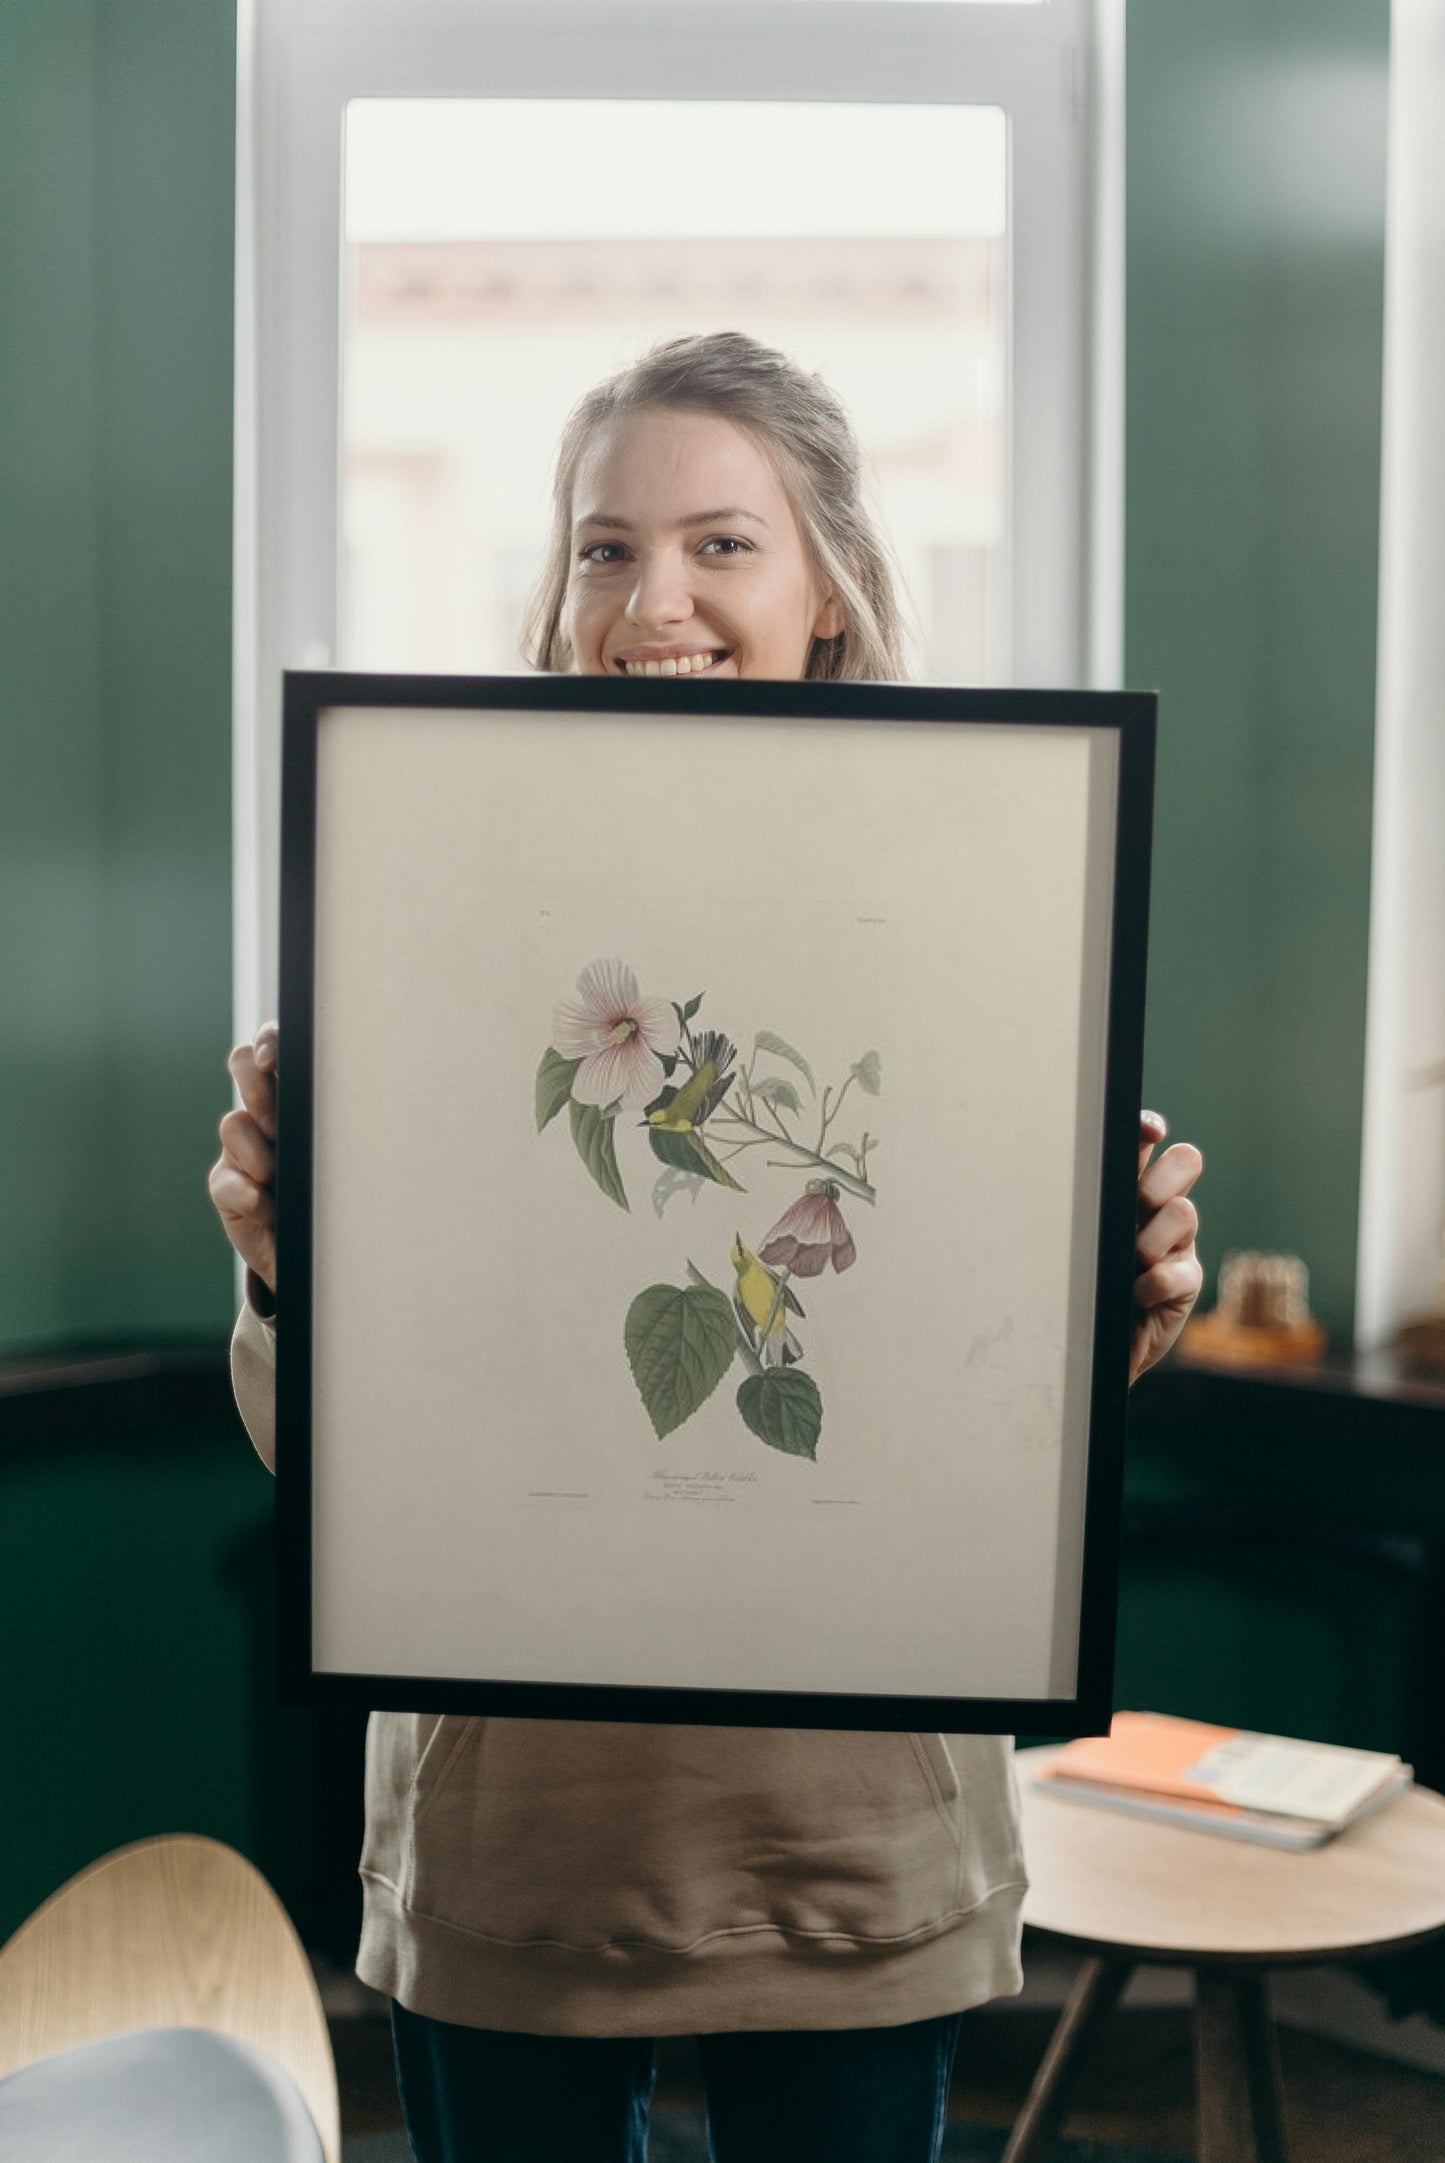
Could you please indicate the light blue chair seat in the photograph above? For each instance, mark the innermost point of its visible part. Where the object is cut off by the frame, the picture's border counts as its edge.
(156, 2095)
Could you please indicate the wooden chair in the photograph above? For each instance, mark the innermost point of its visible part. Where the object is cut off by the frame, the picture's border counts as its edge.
(176, 1932)
(1126, 1890)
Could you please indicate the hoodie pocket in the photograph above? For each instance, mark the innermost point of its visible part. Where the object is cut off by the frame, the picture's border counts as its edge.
(448, 1738)
(452, 1736)
(528, 1830)
(940, 1774)
(405, 1753)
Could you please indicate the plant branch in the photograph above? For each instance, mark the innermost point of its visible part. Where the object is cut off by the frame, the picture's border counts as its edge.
(830, 1165)
(830, 1113)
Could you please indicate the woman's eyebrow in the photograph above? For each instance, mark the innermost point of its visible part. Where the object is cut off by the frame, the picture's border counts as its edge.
(718, 518)
(698, 518)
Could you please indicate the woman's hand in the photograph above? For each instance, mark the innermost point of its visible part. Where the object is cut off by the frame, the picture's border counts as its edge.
(242, 1175)
(1168, 1275)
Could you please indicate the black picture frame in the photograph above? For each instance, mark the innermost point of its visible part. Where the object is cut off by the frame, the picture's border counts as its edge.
(1131, 717)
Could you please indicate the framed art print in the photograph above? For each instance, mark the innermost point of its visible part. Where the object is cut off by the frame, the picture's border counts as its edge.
(708, 1141)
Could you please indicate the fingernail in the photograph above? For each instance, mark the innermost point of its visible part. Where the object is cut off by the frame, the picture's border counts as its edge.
(1155, 1119)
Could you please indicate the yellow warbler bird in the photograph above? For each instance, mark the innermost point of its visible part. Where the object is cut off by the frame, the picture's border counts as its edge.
(765, 1299)
(676, 1114)
(678, 1111)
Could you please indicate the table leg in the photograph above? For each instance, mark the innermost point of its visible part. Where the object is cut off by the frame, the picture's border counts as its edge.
(1095, 1994)
(1241, 2117)
(1261, 2045)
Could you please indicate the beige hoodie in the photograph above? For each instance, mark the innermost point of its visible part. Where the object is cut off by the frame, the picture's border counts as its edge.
(578, 1878)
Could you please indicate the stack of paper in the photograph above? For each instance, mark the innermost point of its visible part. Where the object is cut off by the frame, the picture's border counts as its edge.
(1269, 1788)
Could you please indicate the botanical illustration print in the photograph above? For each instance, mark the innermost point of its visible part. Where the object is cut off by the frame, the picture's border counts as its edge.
(620, 1062)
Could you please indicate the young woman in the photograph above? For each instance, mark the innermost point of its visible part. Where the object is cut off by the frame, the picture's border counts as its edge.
(544, 1898)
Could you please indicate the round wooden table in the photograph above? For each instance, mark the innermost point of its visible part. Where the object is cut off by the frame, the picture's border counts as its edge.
(1125, 1890)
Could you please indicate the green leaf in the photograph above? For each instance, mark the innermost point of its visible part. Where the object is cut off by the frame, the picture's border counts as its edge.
(776, 1089)
(783, 1409)
(766, 1041)
(692, 1006)
(690, 1153)
(680, 1343)
(554, 1085)
(868, 1073)
(592, 1132)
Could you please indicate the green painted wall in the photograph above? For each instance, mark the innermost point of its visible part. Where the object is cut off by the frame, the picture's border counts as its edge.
(125, 1570)
(116, 133)
(136, 1564)
(1289, 1639)
(1255, 268)
(1255, 263)
(52, 916)
(137, 1593)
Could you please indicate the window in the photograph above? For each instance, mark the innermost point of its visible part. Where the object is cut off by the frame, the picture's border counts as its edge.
(447, 214)
(505, 254)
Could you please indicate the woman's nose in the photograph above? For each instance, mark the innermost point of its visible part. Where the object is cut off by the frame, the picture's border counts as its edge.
(661, 595)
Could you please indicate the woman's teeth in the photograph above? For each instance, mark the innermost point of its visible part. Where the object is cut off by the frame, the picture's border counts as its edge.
(687, 664)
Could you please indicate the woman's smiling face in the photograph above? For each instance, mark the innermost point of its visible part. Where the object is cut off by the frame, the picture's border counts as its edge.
(686, 556)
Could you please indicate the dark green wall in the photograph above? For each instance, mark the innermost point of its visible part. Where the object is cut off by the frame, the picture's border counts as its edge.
(1255, 259)
(135, 1625)
(1255, 267)
(1299, 1631)
(137, 1557)
(137, 1606)
(116, 153)
(52, 914)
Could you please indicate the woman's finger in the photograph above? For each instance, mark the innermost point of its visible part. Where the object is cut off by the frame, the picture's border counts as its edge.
(1177, 1281)
(257, 1087)
(234, 1194)
(248, 1218)
(243, 1143)
(1169, 1230)
(1173, 1173)
(240, 1180)
(1153, 1126)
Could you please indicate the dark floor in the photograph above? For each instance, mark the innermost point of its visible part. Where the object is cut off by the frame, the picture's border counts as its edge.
(1343, 2105)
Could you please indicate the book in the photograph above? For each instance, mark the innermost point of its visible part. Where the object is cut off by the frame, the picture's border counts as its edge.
(1274, 1789)
(1266, 1828)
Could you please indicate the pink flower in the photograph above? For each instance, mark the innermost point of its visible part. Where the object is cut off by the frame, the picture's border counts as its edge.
(810, 1234)
(620, 1037)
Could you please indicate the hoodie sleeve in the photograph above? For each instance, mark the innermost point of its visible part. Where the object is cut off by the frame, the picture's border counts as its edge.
(253, 1370)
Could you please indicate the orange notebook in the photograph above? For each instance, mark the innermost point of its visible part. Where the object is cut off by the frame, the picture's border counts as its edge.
(1188, 1759)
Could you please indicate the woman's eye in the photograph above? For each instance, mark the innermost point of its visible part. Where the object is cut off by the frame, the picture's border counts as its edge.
(727, 544)
(602, 552)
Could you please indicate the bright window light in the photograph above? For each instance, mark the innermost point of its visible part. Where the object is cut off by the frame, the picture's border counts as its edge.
(594, 169)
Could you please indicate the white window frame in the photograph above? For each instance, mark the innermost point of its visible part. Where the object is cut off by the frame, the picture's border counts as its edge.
(1049, 67)
(1402, 1164)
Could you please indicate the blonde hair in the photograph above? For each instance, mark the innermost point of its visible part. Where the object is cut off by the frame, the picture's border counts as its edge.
(804, 428)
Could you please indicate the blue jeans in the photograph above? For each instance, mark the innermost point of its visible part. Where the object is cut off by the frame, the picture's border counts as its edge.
(844, 2095)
